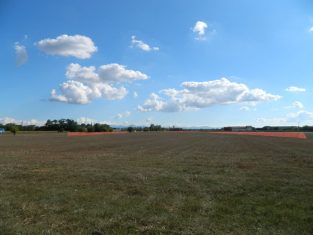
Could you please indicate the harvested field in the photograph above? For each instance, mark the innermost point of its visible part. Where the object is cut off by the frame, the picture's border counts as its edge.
(94, 133)
(298, 135)
(155, 183)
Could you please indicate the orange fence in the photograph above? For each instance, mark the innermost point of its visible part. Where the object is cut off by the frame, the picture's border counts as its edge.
(298, 135)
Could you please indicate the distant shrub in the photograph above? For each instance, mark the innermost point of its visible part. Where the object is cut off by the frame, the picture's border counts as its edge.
(130, 129)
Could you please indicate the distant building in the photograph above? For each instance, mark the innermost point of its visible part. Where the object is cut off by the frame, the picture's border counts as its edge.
(239, 128)
(2, 131)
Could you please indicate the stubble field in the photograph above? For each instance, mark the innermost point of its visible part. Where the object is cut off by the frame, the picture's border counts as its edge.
(155, 183)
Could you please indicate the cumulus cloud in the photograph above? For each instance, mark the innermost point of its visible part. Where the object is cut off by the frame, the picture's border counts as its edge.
(109, 73)
(87, 83)
(200, 30)
(142, 45)
(21, 54)
(294, 89)
(73, 92)
(75, 71)
(119, 73)
(196, 95)
(135, 94)
(76, 92)
(79, 46)
(153, 103)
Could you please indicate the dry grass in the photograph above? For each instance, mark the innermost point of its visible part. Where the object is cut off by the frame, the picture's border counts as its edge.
(156, 183)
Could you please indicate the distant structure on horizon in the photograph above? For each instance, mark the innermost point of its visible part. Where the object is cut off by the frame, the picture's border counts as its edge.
(239, 128)
(2, 131)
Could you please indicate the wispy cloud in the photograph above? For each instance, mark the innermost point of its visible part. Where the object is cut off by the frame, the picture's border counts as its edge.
(142, 45)
(294, 89)
(21, 54)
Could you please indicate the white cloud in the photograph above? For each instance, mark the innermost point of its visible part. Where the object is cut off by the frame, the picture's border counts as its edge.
(85, 120)
(135, 94)
(142, 45)
(73, 92)
(301, 116)
(87, 83)
(297, 104)
(108, 73)
(119, 73)
(79, 46)
(75, 71)
(21, 54)
(156, 103)
(123, 115)
(294, 89)
(200, 30)
(6, 120)
(76, 92)
(33, 122)
(196, 95)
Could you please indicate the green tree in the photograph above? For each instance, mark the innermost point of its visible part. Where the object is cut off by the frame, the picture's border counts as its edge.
(130, 129)
(90, 128)
(12, 128)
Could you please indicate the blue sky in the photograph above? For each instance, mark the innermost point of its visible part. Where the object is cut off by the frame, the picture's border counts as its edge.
(183, 63)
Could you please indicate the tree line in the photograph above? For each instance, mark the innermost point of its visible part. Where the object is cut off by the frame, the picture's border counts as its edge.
(60, 125)
(286, 128)
(153, 127)
(64, 125)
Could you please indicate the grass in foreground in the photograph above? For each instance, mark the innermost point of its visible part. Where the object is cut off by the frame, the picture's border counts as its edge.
(183, 183)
